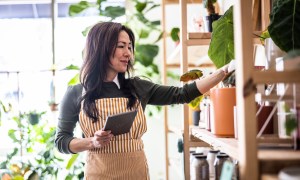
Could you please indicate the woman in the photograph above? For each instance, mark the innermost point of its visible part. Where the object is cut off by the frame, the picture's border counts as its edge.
(107, 88)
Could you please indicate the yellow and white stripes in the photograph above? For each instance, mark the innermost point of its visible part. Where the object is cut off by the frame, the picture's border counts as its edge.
(129, 142)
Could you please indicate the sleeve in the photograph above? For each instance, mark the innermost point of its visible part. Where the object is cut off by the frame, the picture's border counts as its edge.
(68, 117)
(155, 94)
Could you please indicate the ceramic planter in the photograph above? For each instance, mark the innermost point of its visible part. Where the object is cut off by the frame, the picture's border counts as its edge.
(223, 101)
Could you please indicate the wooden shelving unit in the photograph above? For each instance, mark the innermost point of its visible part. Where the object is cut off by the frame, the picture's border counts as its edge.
(255, 162)
(266, 157)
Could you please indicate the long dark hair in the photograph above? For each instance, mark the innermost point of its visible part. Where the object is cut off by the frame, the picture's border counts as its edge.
(101, 44)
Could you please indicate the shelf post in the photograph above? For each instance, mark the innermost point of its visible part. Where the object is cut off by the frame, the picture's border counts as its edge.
(183, 69)
(245, 104)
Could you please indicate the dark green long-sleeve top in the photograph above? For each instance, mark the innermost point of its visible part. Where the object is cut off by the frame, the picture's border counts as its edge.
(148, 93)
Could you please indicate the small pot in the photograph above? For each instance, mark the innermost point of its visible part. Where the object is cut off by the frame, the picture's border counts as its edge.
(209, 20)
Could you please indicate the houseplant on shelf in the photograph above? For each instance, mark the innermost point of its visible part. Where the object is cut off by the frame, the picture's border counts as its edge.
(195, 104)
(221, 52)
(212, 13)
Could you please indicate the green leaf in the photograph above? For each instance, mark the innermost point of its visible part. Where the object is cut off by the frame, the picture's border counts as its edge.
(174, 34)
(11, 134)
(145, 53)
(72, 160)
(142, 18)
(71, 67)
(100, 1)
(284, 25)
(159, 37)
(76, 9)
(113, 11)
(290, 125)
(194, 104)
(264, 35)
(155, 23)
(74, 80)
(152, 7)
(143, 34)
(221, 48)
(140, 6)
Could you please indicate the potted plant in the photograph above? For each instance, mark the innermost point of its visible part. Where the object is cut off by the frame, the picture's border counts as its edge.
(195, 104)
(212, 13)
(221, 52)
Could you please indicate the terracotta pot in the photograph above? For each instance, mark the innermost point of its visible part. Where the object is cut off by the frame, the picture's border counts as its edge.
(223, 101)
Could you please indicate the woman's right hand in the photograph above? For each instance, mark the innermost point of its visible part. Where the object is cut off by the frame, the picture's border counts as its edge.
(101, 138)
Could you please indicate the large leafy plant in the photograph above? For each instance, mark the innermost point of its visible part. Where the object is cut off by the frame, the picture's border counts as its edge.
(284, 25)
(221, 48)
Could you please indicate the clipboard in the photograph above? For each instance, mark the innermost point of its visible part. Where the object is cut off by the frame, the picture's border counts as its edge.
(120, 123)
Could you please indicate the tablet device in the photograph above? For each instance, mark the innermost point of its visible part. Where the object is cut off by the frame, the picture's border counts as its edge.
(120, 123)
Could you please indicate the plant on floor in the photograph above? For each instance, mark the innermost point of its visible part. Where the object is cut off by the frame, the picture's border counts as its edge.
(34, 138)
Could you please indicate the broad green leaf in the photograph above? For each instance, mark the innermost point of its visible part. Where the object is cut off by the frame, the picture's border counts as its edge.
(113, 11)
(140, 6)
(145, 54)
(284, 25)
(76, 9)
(221, 48)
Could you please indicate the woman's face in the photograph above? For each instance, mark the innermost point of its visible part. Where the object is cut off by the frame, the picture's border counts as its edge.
(121, 57)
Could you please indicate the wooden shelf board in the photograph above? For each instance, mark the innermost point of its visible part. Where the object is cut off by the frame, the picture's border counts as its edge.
(274, 98)
(198, 42)
(230, 146)
(279, 155)
(199, 35)
(272, 161)
(198, 144)
(269, 177)
(274, 139)
(262, 77)
(226, 145)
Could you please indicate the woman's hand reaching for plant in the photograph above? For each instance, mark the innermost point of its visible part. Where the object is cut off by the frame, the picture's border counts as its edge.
(101, 138)
(229, 67)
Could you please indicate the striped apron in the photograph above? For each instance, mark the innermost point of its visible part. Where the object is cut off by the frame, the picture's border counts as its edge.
(123, 158)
